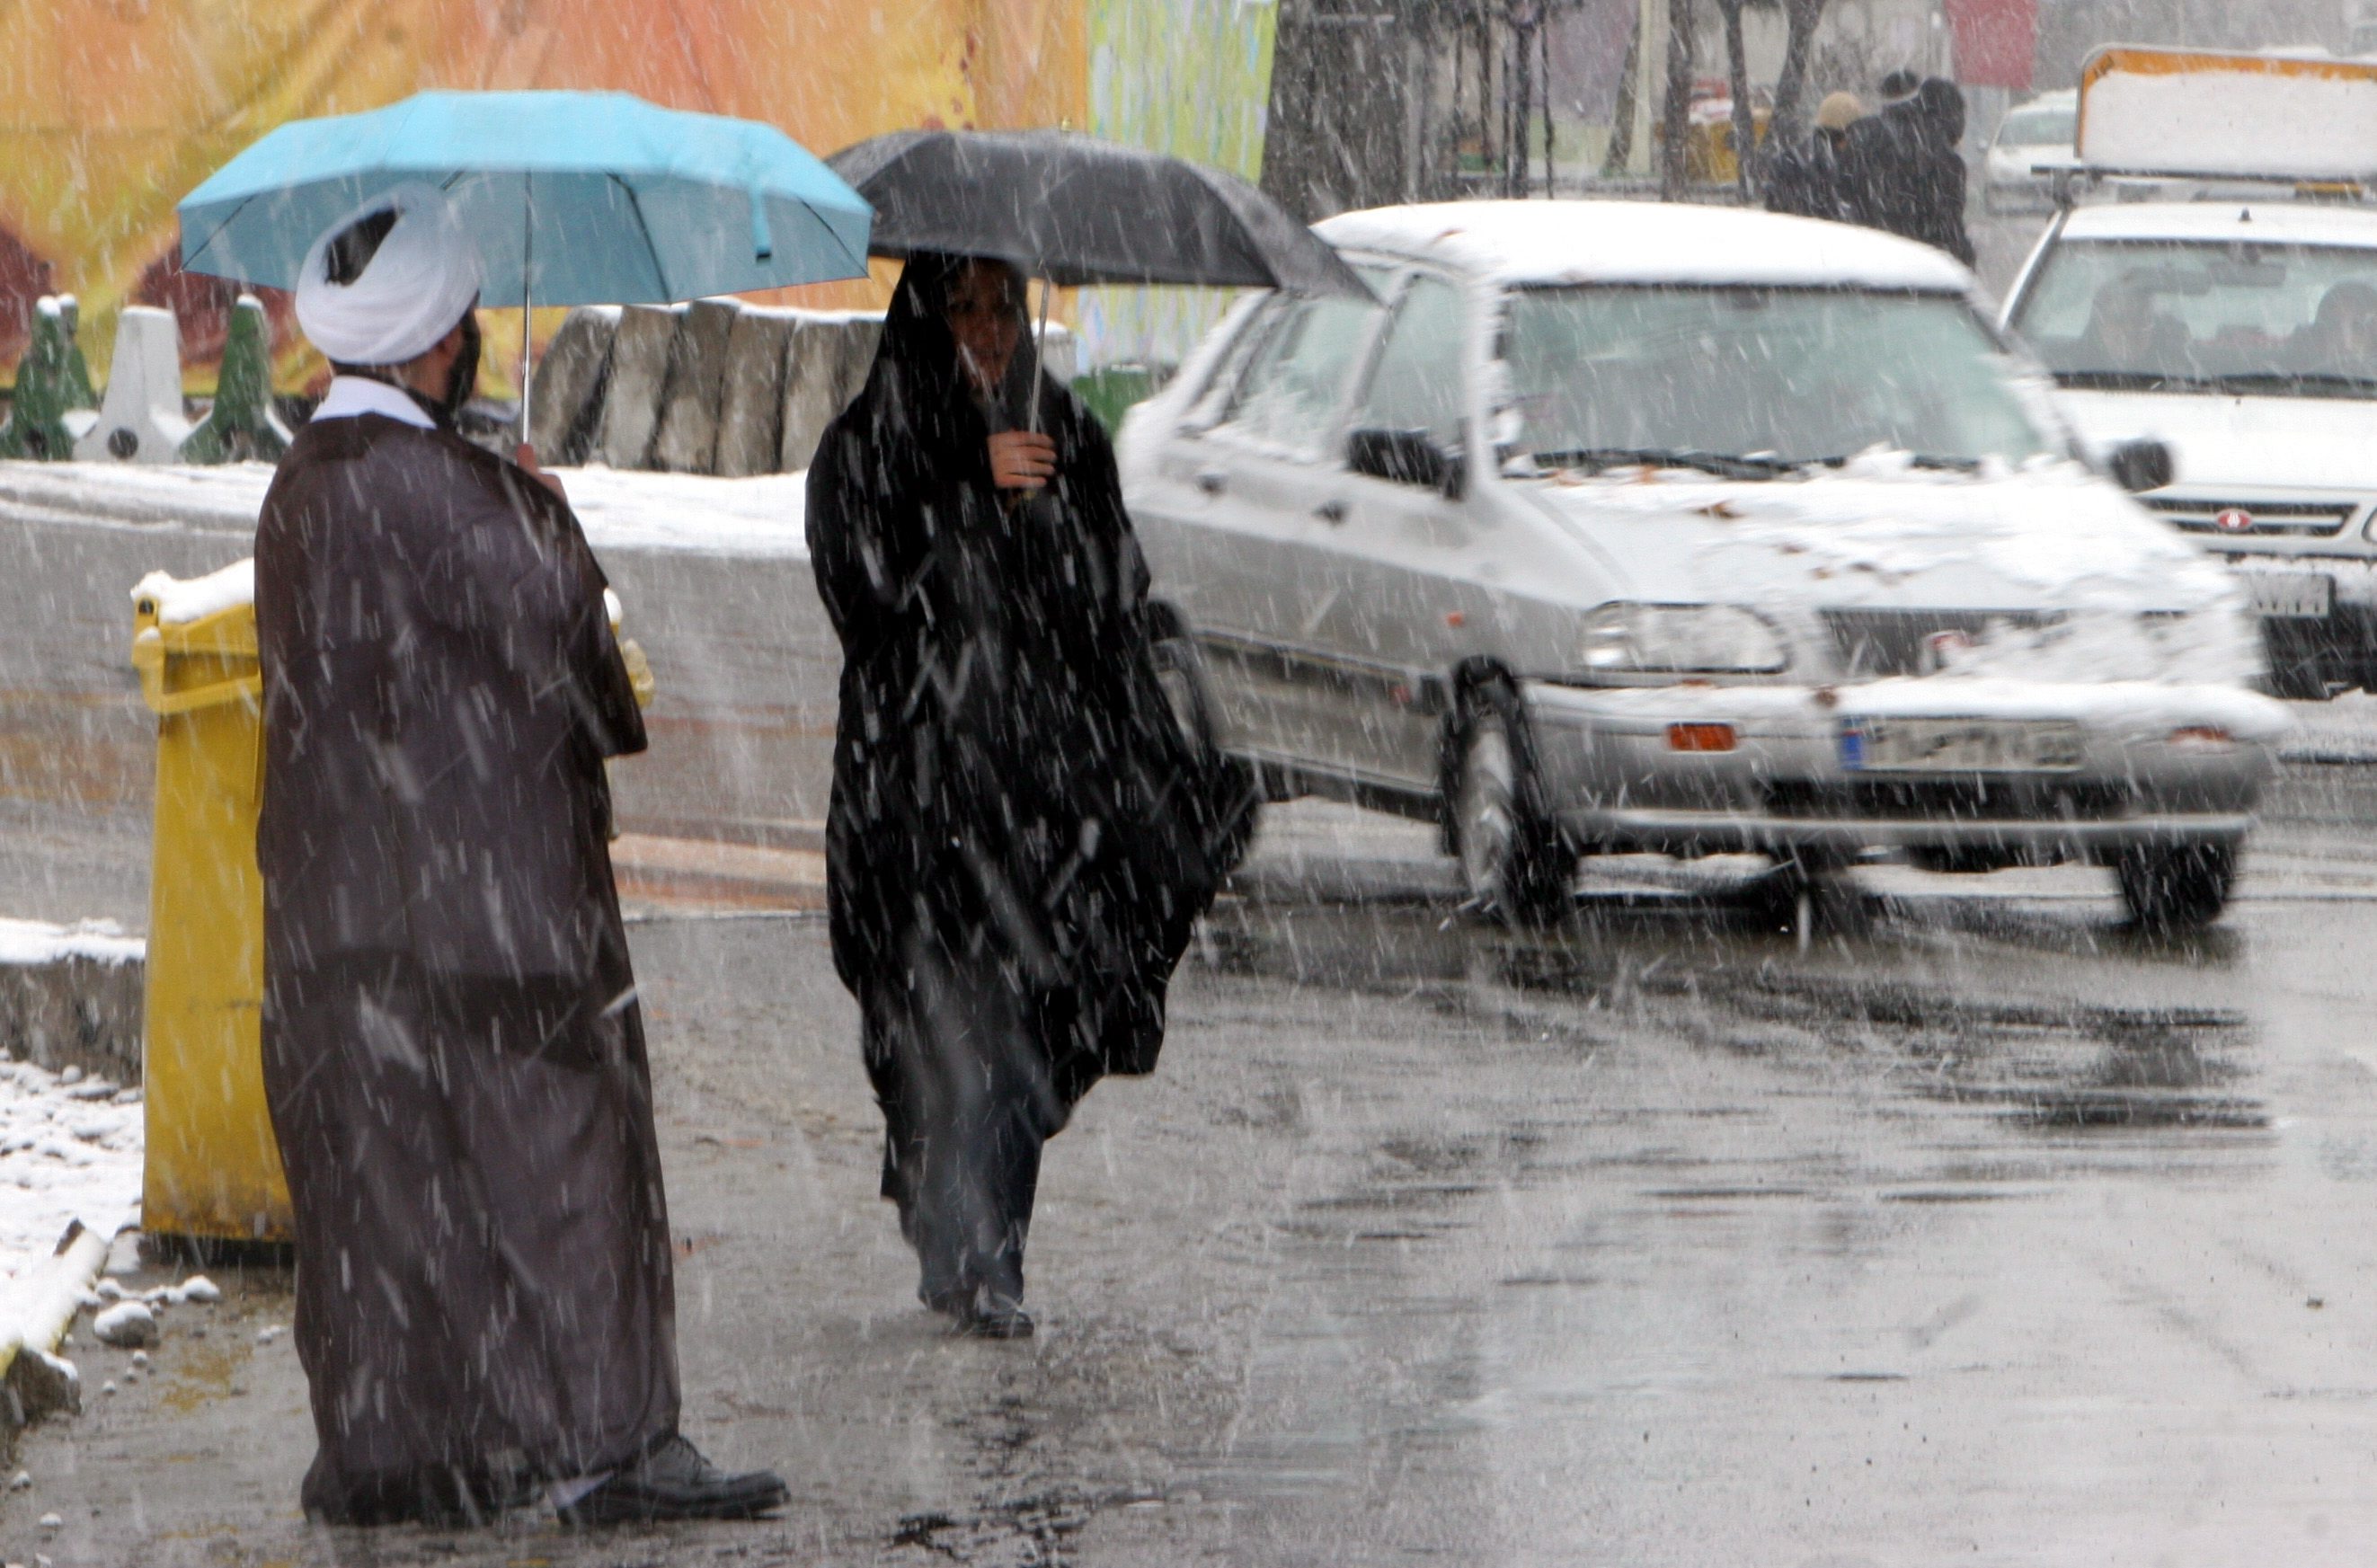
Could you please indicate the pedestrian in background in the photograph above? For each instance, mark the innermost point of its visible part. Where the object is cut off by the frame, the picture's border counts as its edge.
(1810, 180)
(1904, 168)
(1016, 846)
(453, 1054)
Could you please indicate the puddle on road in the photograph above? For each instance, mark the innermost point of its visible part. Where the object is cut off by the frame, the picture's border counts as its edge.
(2012, 1010)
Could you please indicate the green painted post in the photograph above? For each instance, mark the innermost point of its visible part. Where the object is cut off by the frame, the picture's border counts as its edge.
(80, 393)
(36, 426)
(242, 425)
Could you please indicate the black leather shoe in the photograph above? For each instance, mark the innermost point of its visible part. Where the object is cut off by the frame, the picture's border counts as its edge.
(992, 1316)
(674, 1481)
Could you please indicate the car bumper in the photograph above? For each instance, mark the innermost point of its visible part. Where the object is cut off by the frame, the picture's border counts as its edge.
(2337, 647)
(1613, 780)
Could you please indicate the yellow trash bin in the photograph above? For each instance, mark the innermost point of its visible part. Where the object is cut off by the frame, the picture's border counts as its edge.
(213, 1167)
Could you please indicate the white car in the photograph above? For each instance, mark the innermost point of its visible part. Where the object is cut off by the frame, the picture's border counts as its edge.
(1622, 527)
(2241, 335)
(2033, 136)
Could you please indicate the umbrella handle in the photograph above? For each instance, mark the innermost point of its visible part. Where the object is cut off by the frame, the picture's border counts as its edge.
(1040, 353)
(527, 254)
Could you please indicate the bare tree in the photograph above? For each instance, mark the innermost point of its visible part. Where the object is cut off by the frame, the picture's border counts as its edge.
(1745, 122)
(1801, 17)
(1675, 118)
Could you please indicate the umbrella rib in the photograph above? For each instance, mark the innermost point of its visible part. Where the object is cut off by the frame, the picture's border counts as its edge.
(651, 248)
(217, 232)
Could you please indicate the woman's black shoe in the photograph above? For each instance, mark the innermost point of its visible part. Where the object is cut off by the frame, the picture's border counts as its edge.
(674, 1481)
(991, 1316)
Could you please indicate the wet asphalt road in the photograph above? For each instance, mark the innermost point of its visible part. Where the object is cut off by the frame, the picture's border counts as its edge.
(1976, 1230)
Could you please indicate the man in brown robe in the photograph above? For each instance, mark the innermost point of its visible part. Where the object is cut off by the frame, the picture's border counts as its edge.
(452, 1049)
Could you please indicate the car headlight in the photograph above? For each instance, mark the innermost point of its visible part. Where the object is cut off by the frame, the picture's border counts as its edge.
(1680, 639)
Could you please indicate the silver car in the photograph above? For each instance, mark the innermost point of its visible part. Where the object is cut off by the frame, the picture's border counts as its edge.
(1629, 527)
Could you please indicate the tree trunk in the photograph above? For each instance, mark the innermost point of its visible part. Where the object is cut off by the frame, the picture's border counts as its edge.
(1675, 118)
(1745, 120)
(1801, 17)
(1621, 133)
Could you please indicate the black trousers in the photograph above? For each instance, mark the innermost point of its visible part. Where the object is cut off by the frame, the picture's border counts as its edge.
(968, 1099)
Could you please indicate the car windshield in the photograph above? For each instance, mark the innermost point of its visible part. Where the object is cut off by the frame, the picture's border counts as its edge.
(2037, 127)
(2210, 317)
(1738, 378)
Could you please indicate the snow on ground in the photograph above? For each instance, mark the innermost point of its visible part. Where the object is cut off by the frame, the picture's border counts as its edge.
(760, 516)
(70, 1149)
(31, 941)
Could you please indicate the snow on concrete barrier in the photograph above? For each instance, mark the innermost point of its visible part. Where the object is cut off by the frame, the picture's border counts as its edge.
(141, 418)
(751, 411)
(567, 395)
(687, 442)
(639, 366)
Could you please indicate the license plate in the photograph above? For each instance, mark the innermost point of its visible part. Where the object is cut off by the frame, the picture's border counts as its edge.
(1961, 746)
(2290, 594)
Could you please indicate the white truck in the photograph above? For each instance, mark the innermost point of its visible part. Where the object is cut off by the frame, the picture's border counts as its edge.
(2236, 325)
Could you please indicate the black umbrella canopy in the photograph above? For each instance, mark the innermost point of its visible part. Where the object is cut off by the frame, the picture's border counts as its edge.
(1076, 211)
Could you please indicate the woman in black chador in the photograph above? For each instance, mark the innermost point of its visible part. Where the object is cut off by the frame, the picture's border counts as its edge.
(1017, 844)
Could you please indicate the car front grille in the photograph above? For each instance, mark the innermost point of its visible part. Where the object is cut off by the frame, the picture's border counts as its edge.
(1873, 643)
(1967, 797)
(2265, 518)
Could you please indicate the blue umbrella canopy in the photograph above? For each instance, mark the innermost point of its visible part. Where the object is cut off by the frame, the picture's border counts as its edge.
(574, 198)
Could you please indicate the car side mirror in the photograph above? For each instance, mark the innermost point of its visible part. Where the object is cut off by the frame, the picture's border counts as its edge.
(1404, 457)
(2138, 466)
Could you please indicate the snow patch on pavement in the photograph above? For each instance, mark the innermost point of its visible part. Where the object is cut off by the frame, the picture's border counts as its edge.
(70, 1149)
(763, 516)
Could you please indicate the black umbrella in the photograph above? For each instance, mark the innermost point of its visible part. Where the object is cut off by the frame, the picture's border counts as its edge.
(1075, 210)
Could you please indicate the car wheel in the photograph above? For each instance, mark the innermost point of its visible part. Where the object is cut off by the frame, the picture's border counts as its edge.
(1235, 792)
(1514, 863)
(2176, 887)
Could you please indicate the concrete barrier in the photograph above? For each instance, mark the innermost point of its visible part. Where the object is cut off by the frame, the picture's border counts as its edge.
(141, 419)
(639, 366)
(74, 1011)
(687, 442)
(826, 361)
(242, 426)
(751, 411)
(568, 396)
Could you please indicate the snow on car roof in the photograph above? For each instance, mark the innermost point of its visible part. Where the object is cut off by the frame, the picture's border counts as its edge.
(1644, 241)
(2272, 223)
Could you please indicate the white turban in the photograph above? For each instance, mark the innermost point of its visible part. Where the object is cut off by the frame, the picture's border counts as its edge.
(424, 276)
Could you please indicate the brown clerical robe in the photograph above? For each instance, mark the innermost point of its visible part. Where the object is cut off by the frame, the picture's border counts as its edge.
(452, 1049)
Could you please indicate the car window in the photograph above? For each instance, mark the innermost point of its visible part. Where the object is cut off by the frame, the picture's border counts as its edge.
(2038, 127)
(1793, 375)
(2210, 317)
(1417, 383)
(1296, 379)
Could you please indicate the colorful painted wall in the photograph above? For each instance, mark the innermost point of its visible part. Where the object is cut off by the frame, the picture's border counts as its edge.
(111, 110)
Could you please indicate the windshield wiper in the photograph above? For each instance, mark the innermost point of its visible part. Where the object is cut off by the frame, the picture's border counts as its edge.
(1914, 460)
(1725, 465)
(2307, 383)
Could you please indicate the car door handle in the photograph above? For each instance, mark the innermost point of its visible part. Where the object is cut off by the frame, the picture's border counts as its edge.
(1211, 481)
(1331, 511)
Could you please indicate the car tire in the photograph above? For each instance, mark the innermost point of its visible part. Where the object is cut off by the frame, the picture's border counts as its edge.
(1514, 864)
(2176, 887)
(1236, 790)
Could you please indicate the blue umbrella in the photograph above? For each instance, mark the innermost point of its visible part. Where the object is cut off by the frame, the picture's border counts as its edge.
(574, 198)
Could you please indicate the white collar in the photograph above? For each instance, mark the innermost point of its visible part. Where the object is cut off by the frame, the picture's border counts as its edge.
(352, 395)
